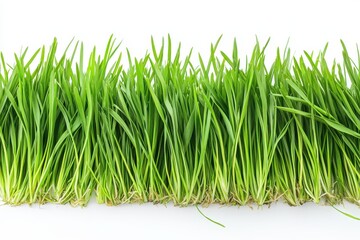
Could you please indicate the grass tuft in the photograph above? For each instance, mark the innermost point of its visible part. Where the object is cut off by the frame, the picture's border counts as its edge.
(164, 130)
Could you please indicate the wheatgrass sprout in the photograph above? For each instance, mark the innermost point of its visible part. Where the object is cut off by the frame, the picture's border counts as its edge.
(163, 130)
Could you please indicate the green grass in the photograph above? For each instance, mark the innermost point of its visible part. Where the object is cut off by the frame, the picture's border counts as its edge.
(166, 130)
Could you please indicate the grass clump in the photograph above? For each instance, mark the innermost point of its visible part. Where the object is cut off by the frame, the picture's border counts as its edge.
(164, 130)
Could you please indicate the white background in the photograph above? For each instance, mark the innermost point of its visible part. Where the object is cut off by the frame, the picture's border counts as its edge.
(308, 24)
